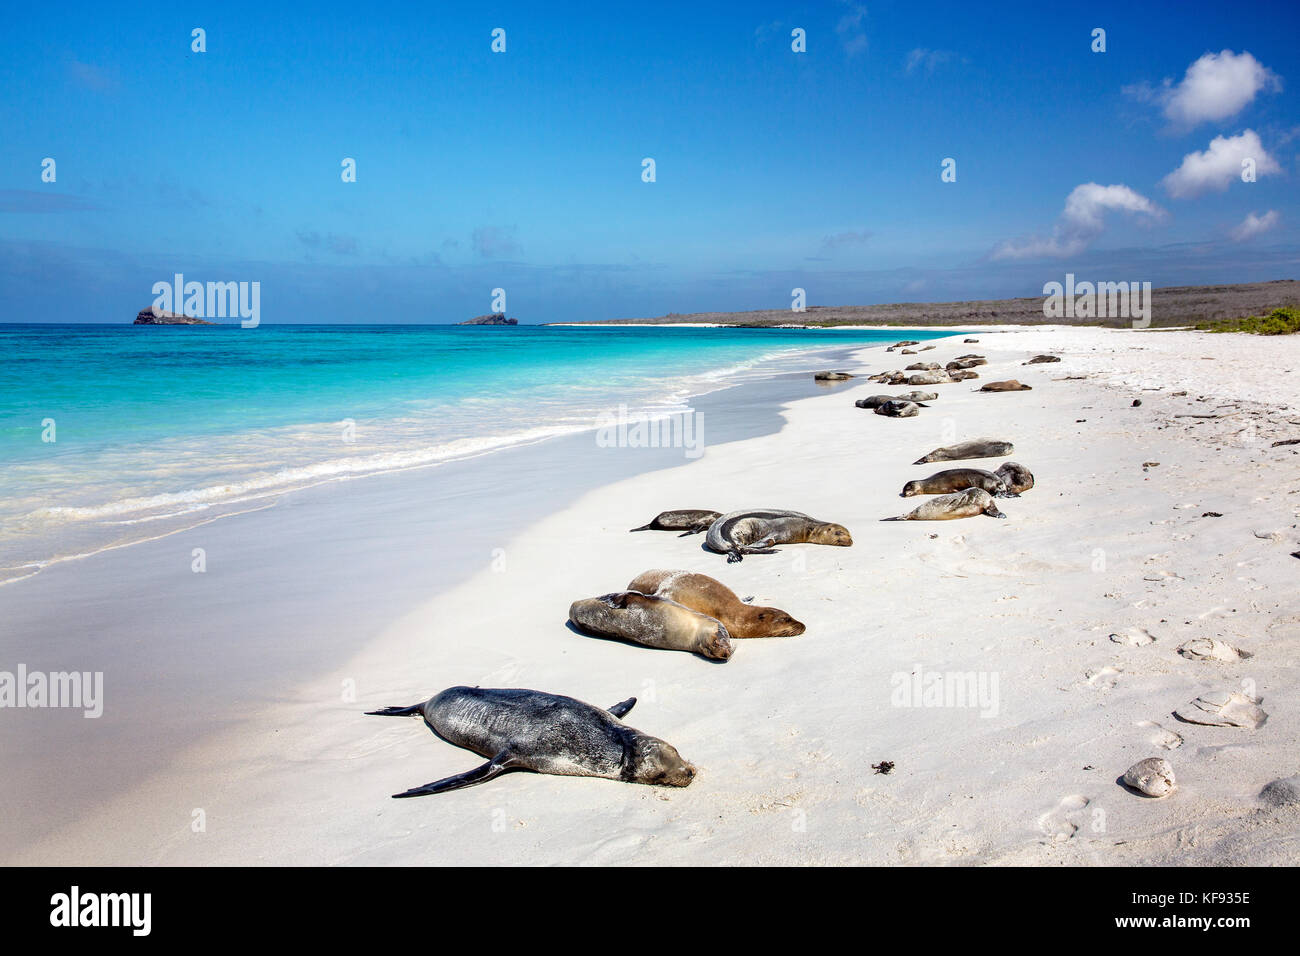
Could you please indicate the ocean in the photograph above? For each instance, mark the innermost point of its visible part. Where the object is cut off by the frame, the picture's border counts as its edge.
(111, 435)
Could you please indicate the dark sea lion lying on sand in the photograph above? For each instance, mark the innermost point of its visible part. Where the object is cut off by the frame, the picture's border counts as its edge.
(957, 479)
(688, 521)
(758, 531)
(531, 730)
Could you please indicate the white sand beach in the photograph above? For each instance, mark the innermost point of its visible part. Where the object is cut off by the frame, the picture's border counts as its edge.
(1069, 614)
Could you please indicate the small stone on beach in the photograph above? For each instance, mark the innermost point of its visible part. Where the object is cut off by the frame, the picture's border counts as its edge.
(1153, 777)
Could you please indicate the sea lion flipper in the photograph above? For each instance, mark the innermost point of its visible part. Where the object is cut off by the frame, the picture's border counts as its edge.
(644, 527)
(622, 707)
(497, 765)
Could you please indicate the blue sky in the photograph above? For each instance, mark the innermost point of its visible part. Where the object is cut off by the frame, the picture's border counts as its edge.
(522, 169)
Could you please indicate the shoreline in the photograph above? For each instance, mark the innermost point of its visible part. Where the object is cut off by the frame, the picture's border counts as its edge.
(785, 732)
(140, 599)
(77, 527)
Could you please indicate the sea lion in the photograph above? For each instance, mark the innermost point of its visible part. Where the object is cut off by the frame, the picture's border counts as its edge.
(896, 409)
(923, 367)
(1010, 385)
(975, 448)
(871, 401)
(653, 621)
(968, 341)
(831, 376)
(1042, 359)
(961, 504)
(688, 521)
(970, 355)
(520, 729)
(875, 401)
(917, 396)
(957, 479)
(901, 344)
(1015, 476)
(757, 531)
(929, 378)
(699, 592)
(962, 374)
(963, 363)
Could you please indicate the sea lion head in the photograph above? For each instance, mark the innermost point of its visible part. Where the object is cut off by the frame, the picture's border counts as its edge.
(774, 622)
(910, 489)
(716, 644)
(833, 534)
(657, 762)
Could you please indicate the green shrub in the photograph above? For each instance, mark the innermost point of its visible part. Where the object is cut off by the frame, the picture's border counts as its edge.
(1283, 321)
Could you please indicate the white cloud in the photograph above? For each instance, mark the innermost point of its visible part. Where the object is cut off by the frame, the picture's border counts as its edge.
(1216, 87)
(1216, 167)
(1253, 225)
(850, 28)
(841, 240)
(924, 59)
(1081, 222)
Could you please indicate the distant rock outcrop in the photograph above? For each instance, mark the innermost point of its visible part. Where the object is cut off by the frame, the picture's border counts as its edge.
(493, 319)
(152, 316)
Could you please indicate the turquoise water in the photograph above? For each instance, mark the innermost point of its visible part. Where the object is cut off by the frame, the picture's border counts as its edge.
(154, 427)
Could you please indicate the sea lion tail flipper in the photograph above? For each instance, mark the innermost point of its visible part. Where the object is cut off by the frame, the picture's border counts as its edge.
(993, 512)
(622, 707)
(497, 765)
(695, 530)
(397, 711)
(644, 527)
(734, 556)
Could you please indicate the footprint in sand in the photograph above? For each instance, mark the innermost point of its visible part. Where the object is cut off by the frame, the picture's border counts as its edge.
(1224, 709)
(1212, 649)
(1056, 823)
(1161, 737)
(1134, 636)
(1104, 678)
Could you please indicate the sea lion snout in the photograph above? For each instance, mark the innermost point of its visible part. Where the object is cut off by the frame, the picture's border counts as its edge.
(773, 622)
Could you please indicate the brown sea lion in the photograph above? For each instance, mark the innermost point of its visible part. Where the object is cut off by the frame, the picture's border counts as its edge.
(1042, 359)
(652, 621)
(975, 448)
(831, 376)
(699, 592)
(1010, 385)
(956, 479)
(961, 504)
(518, 729)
